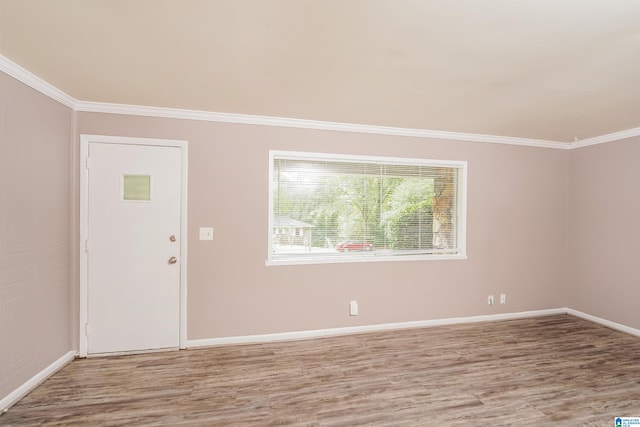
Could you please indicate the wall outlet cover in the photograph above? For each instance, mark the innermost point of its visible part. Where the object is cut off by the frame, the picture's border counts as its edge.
(353, 308)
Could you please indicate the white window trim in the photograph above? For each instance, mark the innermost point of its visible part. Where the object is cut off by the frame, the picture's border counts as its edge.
(461, 165)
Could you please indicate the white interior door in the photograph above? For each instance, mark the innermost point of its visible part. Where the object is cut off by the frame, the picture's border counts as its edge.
(133, 247)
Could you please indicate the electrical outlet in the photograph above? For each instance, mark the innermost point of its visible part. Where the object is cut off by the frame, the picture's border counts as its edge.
(353, 308)
(490, 300)
(503, 298)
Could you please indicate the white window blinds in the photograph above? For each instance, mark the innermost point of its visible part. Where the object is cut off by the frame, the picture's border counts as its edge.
(328, 208)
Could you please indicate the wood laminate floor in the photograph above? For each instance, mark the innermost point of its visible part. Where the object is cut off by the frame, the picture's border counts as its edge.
(546, 371)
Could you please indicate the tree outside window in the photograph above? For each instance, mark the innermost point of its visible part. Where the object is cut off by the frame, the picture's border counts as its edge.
(367, 207)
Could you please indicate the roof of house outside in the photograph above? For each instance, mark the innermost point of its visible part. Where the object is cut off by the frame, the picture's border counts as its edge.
(285, 221)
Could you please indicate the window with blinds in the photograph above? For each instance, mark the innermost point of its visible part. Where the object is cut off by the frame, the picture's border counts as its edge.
(338, 208)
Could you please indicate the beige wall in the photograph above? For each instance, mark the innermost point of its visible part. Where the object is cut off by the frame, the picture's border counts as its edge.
(544, 240)
(35, 212)
(604, 231)
(516, 233)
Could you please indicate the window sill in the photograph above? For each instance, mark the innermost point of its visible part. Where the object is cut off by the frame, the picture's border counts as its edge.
(360, 259)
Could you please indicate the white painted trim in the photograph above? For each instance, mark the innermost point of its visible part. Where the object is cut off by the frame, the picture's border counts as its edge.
(184, 233)
(35, 82)
(373, 256)
(611, 137)
(318, 333)
(98, 107)
(604, 322)
(35, 381)
(137, 110)
(361, 257)
(14, 70)
(84, 195)
(83, 177)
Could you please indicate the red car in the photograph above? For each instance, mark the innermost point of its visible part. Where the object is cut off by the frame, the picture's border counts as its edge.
(354, 245)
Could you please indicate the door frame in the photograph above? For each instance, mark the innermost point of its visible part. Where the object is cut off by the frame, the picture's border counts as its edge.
(85, 140)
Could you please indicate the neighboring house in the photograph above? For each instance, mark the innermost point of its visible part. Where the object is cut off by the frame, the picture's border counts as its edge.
(289, 231)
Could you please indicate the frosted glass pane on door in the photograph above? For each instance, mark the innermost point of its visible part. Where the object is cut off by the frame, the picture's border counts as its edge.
(136, 187)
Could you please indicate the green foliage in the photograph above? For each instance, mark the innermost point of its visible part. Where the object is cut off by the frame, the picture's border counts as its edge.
(409, 221)
(391, 212)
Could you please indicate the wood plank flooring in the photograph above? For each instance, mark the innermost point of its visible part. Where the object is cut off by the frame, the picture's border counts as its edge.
(547, 371)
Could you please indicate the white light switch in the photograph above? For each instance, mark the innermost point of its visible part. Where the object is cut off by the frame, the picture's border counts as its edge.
(206, 233)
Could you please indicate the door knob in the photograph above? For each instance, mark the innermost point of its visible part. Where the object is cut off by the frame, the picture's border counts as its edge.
(172, 238)
(173, 260)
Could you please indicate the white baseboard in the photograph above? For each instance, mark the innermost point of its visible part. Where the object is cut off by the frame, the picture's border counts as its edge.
(32, 383)
(317, 333)
(604, 322)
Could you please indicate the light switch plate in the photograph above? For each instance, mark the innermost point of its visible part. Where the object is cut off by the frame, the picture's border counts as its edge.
(206, 233)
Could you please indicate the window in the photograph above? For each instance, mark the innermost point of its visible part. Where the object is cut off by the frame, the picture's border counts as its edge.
(336, 208)
(136, 187)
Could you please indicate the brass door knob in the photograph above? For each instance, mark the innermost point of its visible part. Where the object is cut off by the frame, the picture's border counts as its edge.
(173, 260)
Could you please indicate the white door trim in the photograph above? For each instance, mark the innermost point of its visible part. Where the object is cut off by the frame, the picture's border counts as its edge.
(84, 209)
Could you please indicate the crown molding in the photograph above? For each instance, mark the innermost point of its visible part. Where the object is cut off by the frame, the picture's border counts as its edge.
(14, 70)
(35, 82)
(610, 137)
(97, 107)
